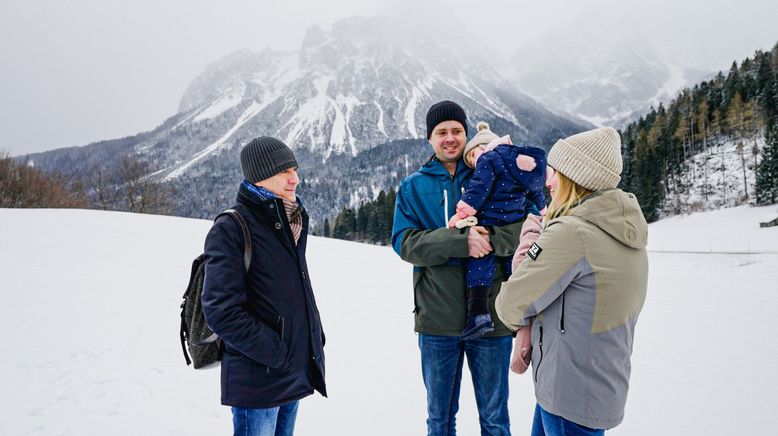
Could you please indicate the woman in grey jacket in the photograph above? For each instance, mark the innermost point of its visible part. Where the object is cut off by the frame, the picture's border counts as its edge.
(581, 286)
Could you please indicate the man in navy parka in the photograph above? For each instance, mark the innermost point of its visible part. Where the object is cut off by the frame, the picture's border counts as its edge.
(267, 317)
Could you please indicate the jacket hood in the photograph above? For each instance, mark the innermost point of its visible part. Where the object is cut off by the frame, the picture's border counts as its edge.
(618, 214)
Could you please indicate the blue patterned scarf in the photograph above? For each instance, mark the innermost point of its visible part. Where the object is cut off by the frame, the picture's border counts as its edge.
(292, 209)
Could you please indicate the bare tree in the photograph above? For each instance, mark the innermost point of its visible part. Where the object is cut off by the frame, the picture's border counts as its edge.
(142, 193)
(102, 190)
(128, 186)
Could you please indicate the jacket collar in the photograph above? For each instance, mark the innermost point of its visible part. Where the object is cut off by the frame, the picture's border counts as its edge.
(434, 167)
(270, 208)
(260, 196)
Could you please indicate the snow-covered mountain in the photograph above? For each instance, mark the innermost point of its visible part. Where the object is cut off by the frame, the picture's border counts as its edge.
(603, 74)
(90, 323)
(363, 85)
(366, 82)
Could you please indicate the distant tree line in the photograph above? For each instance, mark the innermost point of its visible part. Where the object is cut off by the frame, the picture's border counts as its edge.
(370, 222)
(125, 186)
(23, 185)
(741, 106)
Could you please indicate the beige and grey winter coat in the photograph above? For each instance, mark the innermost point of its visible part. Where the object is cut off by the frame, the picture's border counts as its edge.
(584, 282)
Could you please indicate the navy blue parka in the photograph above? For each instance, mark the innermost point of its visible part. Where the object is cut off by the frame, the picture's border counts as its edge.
(267, 318)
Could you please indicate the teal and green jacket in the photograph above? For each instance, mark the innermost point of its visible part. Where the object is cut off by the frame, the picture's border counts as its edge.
(425, 201)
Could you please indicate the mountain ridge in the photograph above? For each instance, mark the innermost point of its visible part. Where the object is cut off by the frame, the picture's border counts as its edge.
(338, 95)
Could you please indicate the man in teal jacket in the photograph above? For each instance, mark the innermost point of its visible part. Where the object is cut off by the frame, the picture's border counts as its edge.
(425, 202)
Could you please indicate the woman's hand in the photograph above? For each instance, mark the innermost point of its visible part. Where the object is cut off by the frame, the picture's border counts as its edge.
(522, 350)
(530, 232)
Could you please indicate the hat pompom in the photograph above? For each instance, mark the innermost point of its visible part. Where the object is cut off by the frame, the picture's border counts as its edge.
(482, 125)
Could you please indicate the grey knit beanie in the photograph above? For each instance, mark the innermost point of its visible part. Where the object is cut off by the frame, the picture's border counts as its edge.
(264, 157)
(591, 159)
(445, 111)
(482, 137)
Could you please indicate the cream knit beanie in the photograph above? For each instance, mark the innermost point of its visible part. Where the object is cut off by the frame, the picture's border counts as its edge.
(482, 137)
(591, 159)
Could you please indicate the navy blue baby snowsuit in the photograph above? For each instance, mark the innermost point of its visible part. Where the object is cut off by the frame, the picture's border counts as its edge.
(503, 194)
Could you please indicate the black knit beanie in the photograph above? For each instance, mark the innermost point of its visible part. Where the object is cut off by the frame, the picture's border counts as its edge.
(445, 111)
(264, 157)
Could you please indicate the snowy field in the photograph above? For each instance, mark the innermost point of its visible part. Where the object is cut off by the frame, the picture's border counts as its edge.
(89, 317)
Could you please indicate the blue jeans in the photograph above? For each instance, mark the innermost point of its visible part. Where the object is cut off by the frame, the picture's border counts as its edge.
(547, 424)
(274, 421)
(442, 358)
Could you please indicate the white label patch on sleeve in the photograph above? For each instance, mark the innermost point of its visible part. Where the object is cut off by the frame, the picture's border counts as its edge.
(534, 251)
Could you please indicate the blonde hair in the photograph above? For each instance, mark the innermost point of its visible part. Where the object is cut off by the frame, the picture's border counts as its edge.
(568, 194)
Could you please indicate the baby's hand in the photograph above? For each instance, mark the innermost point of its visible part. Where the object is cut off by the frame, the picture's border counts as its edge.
(464, 210)
(526, 163)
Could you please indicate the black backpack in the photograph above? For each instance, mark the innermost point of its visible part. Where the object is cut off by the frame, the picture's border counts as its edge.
(204, 346)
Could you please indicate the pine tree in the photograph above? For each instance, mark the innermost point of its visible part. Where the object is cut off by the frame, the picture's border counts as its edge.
(345, 225)
(735, 116)
(362, 221)
(391, 198)
(764, 81)
(380, 221)
(627, 156)
(732, 85)
(648, 175)
(767, 171)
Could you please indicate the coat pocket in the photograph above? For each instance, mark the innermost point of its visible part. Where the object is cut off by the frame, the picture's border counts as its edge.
(284, 330)
(281, 328)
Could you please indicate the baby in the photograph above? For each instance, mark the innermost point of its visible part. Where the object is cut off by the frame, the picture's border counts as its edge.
(507, 184)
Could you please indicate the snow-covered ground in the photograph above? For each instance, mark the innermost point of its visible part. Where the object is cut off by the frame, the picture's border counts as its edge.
(89, 318)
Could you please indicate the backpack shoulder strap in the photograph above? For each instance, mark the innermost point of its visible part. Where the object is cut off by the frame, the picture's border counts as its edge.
(246, 236)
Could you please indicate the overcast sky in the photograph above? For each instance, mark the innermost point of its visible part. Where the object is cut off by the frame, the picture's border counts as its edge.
(74, 72)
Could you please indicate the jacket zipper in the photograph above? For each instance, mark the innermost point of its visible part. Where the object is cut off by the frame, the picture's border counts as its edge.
(540, 347)
(445, 200)
(562, 315)
(308, 304)
(445, 208)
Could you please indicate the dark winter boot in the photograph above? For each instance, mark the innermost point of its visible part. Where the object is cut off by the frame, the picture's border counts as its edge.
(479, 322)
(477, 326)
